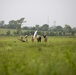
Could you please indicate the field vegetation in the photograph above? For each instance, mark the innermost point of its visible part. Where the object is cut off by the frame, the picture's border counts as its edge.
(57, 56)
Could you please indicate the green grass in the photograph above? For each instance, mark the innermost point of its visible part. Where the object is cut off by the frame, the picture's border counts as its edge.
(56, 57)
(4, 31)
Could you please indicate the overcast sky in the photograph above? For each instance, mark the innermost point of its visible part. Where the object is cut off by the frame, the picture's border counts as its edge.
(39, 11)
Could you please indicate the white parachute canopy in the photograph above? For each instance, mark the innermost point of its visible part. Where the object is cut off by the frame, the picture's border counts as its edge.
(35, 33)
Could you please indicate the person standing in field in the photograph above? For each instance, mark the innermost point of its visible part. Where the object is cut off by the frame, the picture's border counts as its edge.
(32, 39)
(45, 38)
(38, 38)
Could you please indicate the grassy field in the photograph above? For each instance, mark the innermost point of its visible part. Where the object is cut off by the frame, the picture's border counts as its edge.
(4, 31)
(55, 57)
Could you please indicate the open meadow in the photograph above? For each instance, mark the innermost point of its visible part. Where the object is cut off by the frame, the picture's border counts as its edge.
(57, 56)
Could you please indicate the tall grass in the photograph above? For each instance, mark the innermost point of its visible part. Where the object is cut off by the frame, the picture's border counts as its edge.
(55, 57)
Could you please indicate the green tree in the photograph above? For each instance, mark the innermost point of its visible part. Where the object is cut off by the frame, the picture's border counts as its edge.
(37, 27)
(59, 28)
(8, 32)
(12, 24)
(39, 32)
(52, 28)
(52, 33)
(45, 27)
(25, 28)
(74, 29)
(33, 28)
(19, 24)
(1, 24)
(32, 32)
(67, 29)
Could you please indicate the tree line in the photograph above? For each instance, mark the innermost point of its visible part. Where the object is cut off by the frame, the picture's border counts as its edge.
(44, 29)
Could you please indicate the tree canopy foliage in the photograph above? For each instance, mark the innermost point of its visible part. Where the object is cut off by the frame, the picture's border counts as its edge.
(53, 30)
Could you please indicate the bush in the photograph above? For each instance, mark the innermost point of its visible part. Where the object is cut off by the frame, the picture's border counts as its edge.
(8, 32)
(52, 34)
